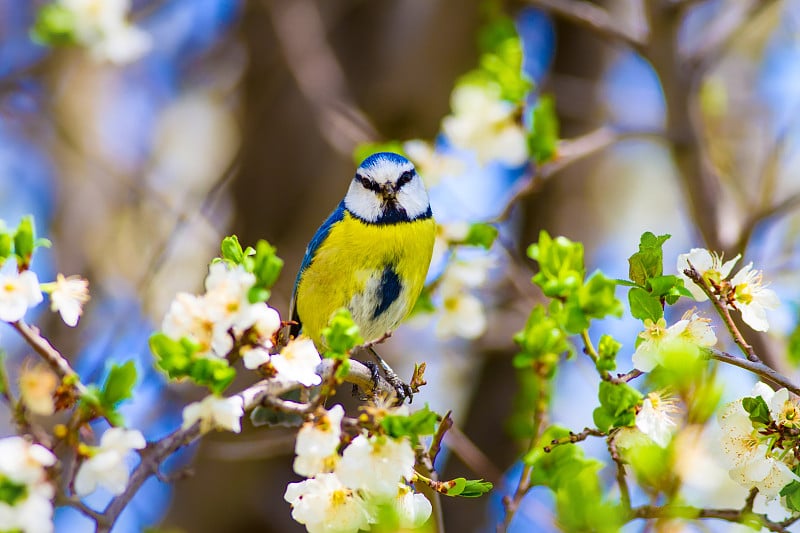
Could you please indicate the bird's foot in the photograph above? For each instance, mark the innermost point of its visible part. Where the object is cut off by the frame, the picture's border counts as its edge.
(401, 389)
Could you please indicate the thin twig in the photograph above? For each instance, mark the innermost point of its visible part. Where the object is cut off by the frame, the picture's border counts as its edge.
(757, 368)
(729, 515)
(52, 356)
(723, 311)
(622, 481)
(436, 442)
(572, 438)
(595, 19)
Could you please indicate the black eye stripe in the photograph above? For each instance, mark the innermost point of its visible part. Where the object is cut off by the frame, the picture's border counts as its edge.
(368, 183)
(405, 177)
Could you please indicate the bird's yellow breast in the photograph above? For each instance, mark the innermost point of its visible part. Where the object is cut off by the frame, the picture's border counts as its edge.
(377, 271)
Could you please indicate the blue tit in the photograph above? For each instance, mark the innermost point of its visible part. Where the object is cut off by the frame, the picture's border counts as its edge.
(371, 255)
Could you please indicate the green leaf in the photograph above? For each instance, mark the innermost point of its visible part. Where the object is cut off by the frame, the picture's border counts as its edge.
(119, 384)
(421, 422)
(475, 488)
(173, 357)
(6, 245)
(758, 409)
(792, 493)
(555, 467)
(267, 267)
(341, 335)
(561, 268)
(617, 405)
(644, 305)
(216, 374)
(456, 486)
(597, 298)
(232, 250)
(12, 492)
(481, 234)
(648, 261)
(55, 25)
(541, 341)
(364, 150)
(25, 240)
(543, 137)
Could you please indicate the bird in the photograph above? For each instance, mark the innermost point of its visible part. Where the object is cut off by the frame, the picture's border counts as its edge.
(370, 256)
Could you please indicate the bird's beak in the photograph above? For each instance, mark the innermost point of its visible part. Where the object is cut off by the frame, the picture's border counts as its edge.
(388, 193)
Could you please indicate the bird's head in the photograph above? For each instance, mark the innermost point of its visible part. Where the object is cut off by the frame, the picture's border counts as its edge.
(387, 189)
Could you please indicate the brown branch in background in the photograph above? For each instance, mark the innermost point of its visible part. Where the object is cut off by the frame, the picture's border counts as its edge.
(595, 19)
(788, 204)
(301, 35)
(472, 456)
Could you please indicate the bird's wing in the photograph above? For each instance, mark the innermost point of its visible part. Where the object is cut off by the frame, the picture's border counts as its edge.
(311, 250)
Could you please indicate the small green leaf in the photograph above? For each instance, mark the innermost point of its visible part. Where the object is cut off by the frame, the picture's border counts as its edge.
(6, 245)
(561, 268)
(232, 250)
(12, 492)
(25, 240)
(757, 409)
(597, 299)
(648, 261)
(119, 384)
(475, 488)
(55, 25)
(792, 493)
(456, 486)
(542, 341)
(421, 422)
(341, 335)
(617, 405)
(481, 234)
(644, 305)
(543, 137)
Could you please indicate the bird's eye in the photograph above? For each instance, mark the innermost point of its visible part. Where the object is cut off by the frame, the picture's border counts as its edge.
(405, 177)
(367, 183)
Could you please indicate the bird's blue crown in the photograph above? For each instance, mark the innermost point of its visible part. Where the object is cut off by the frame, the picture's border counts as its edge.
(377, 158)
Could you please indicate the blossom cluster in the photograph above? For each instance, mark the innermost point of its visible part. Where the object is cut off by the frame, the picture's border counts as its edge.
(20, 290)
(26, 493)
(759, 440)
(744, 292)
(348, 489)
(224, 323)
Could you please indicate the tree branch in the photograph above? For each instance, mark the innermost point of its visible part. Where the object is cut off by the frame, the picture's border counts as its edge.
(595, 19)
(729, 515)
(52, 356)
(757, 368)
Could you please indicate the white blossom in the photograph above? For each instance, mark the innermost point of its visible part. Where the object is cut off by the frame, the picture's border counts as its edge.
(324, 505)
(227, 291)
(412, 509)
(482, 122)
(101, 25)
(18, 291)
(752, 298)
(691, 328)
(189, 316)
(266, 322)
(462, 313)
(317, 442)
(298, 361)
(107, 467)
(215, 412)
(37, 385)
(254, 356)
(431, 164)
(748, 456)
(654, 419)
(376, 465)
(68, 297)
(709, 265)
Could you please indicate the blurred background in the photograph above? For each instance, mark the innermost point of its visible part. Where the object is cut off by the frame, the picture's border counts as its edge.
(242, 118)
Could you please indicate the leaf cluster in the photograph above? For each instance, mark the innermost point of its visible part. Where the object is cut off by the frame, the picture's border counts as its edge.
(117, 387)
(261, 261)
(178, 358)
(20, 242)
